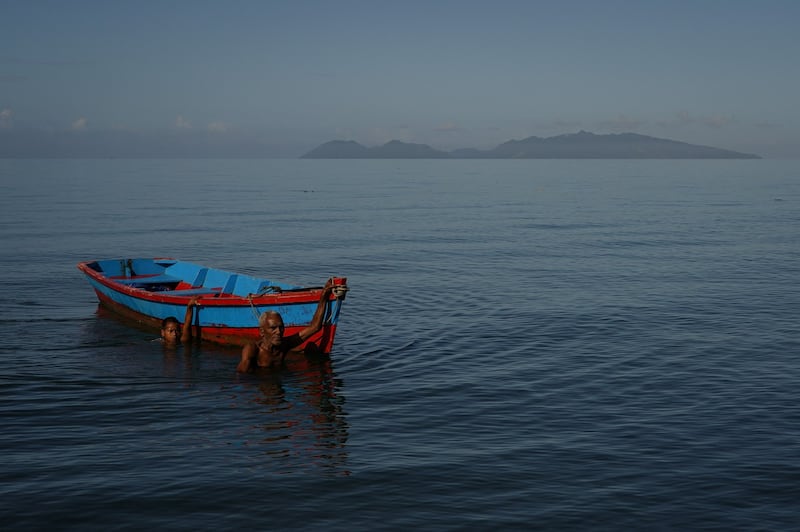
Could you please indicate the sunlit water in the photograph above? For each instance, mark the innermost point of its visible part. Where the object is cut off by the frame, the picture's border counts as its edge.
(526, 344)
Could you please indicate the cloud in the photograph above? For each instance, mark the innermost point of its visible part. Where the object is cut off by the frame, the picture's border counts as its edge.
(218, 127)
(714, 120)
(12, 78)
(42, 62)
(561, 126)
(621, 123)
(161, 143)
(717, 121)
(182, 123)
(6, 118)
(344, 133)
(447, 127)
(79, 124)
(766, 125)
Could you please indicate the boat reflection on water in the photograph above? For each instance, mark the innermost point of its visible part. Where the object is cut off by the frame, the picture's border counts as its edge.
(293, 418)
(302, 423)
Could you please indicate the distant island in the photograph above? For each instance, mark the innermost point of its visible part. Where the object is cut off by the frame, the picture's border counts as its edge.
(581, 145)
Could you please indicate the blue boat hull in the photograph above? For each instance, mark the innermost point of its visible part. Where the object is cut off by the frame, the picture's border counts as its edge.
(149, 290)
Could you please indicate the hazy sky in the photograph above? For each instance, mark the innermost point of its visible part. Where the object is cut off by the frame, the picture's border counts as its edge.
(191, 77)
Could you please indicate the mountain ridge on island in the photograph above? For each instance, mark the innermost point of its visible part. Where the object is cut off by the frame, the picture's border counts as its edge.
(581, 145)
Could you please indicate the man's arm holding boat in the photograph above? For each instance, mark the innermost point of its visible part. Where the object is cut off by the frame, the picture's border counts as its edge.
(319, 314)
(317, 320)
(186, 328)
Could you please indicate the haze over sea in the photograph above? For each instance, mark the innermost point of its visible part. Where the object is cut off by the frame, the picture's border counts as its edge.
(527, 344)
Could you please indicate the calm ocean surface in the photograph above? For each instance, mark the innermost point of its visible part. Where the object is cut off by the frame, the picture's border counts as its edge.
(526, 345)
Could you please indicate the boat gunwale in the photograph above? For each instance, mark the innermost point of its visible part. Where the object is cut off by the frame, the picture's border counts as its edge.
(286, 297)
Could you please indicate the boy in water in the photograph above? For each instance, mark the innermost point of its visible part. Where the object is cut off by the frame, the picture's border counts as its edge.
(173, 333)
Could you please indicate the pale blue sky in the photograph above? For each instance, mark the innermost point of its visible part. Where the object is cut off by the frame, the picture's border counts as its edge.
(289, 75)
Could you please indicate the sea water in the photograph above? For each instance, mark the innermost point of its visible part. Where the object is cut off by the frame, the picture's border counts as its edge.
(526, 345)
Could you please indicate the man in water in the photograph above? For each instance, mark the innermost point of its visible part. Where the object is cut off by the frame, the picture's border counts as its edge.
(170, 327)
(271, 349)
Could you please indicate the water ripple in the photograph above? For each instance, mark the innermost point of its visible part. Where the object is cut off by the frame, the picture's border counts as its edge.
(557, 345)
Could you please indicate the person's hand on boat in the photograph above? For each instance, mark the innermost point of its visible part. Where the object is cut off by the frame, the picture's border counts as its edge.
(194, 302)
(338, 286)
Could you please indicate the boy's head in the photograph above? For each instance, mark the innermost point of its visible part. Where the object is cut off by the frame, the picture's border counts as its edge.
(170, 330)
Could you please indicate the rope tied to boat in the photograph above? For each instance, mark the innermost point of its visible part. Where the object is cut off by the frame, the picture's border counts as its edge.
(253, 308)
(270, 289)
(340, 290)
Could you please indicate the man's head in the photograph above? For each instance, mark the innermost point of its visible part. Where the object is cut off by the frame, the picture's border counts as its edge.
(270, 325)
(170, 330)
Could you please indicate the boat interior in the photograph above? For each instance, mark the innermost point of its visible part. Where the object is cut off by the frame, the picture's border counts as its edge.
(184, 278)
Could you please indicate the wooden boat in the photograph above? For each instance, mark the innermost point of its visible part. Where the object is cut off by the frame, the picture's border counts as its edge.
(151, 289)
